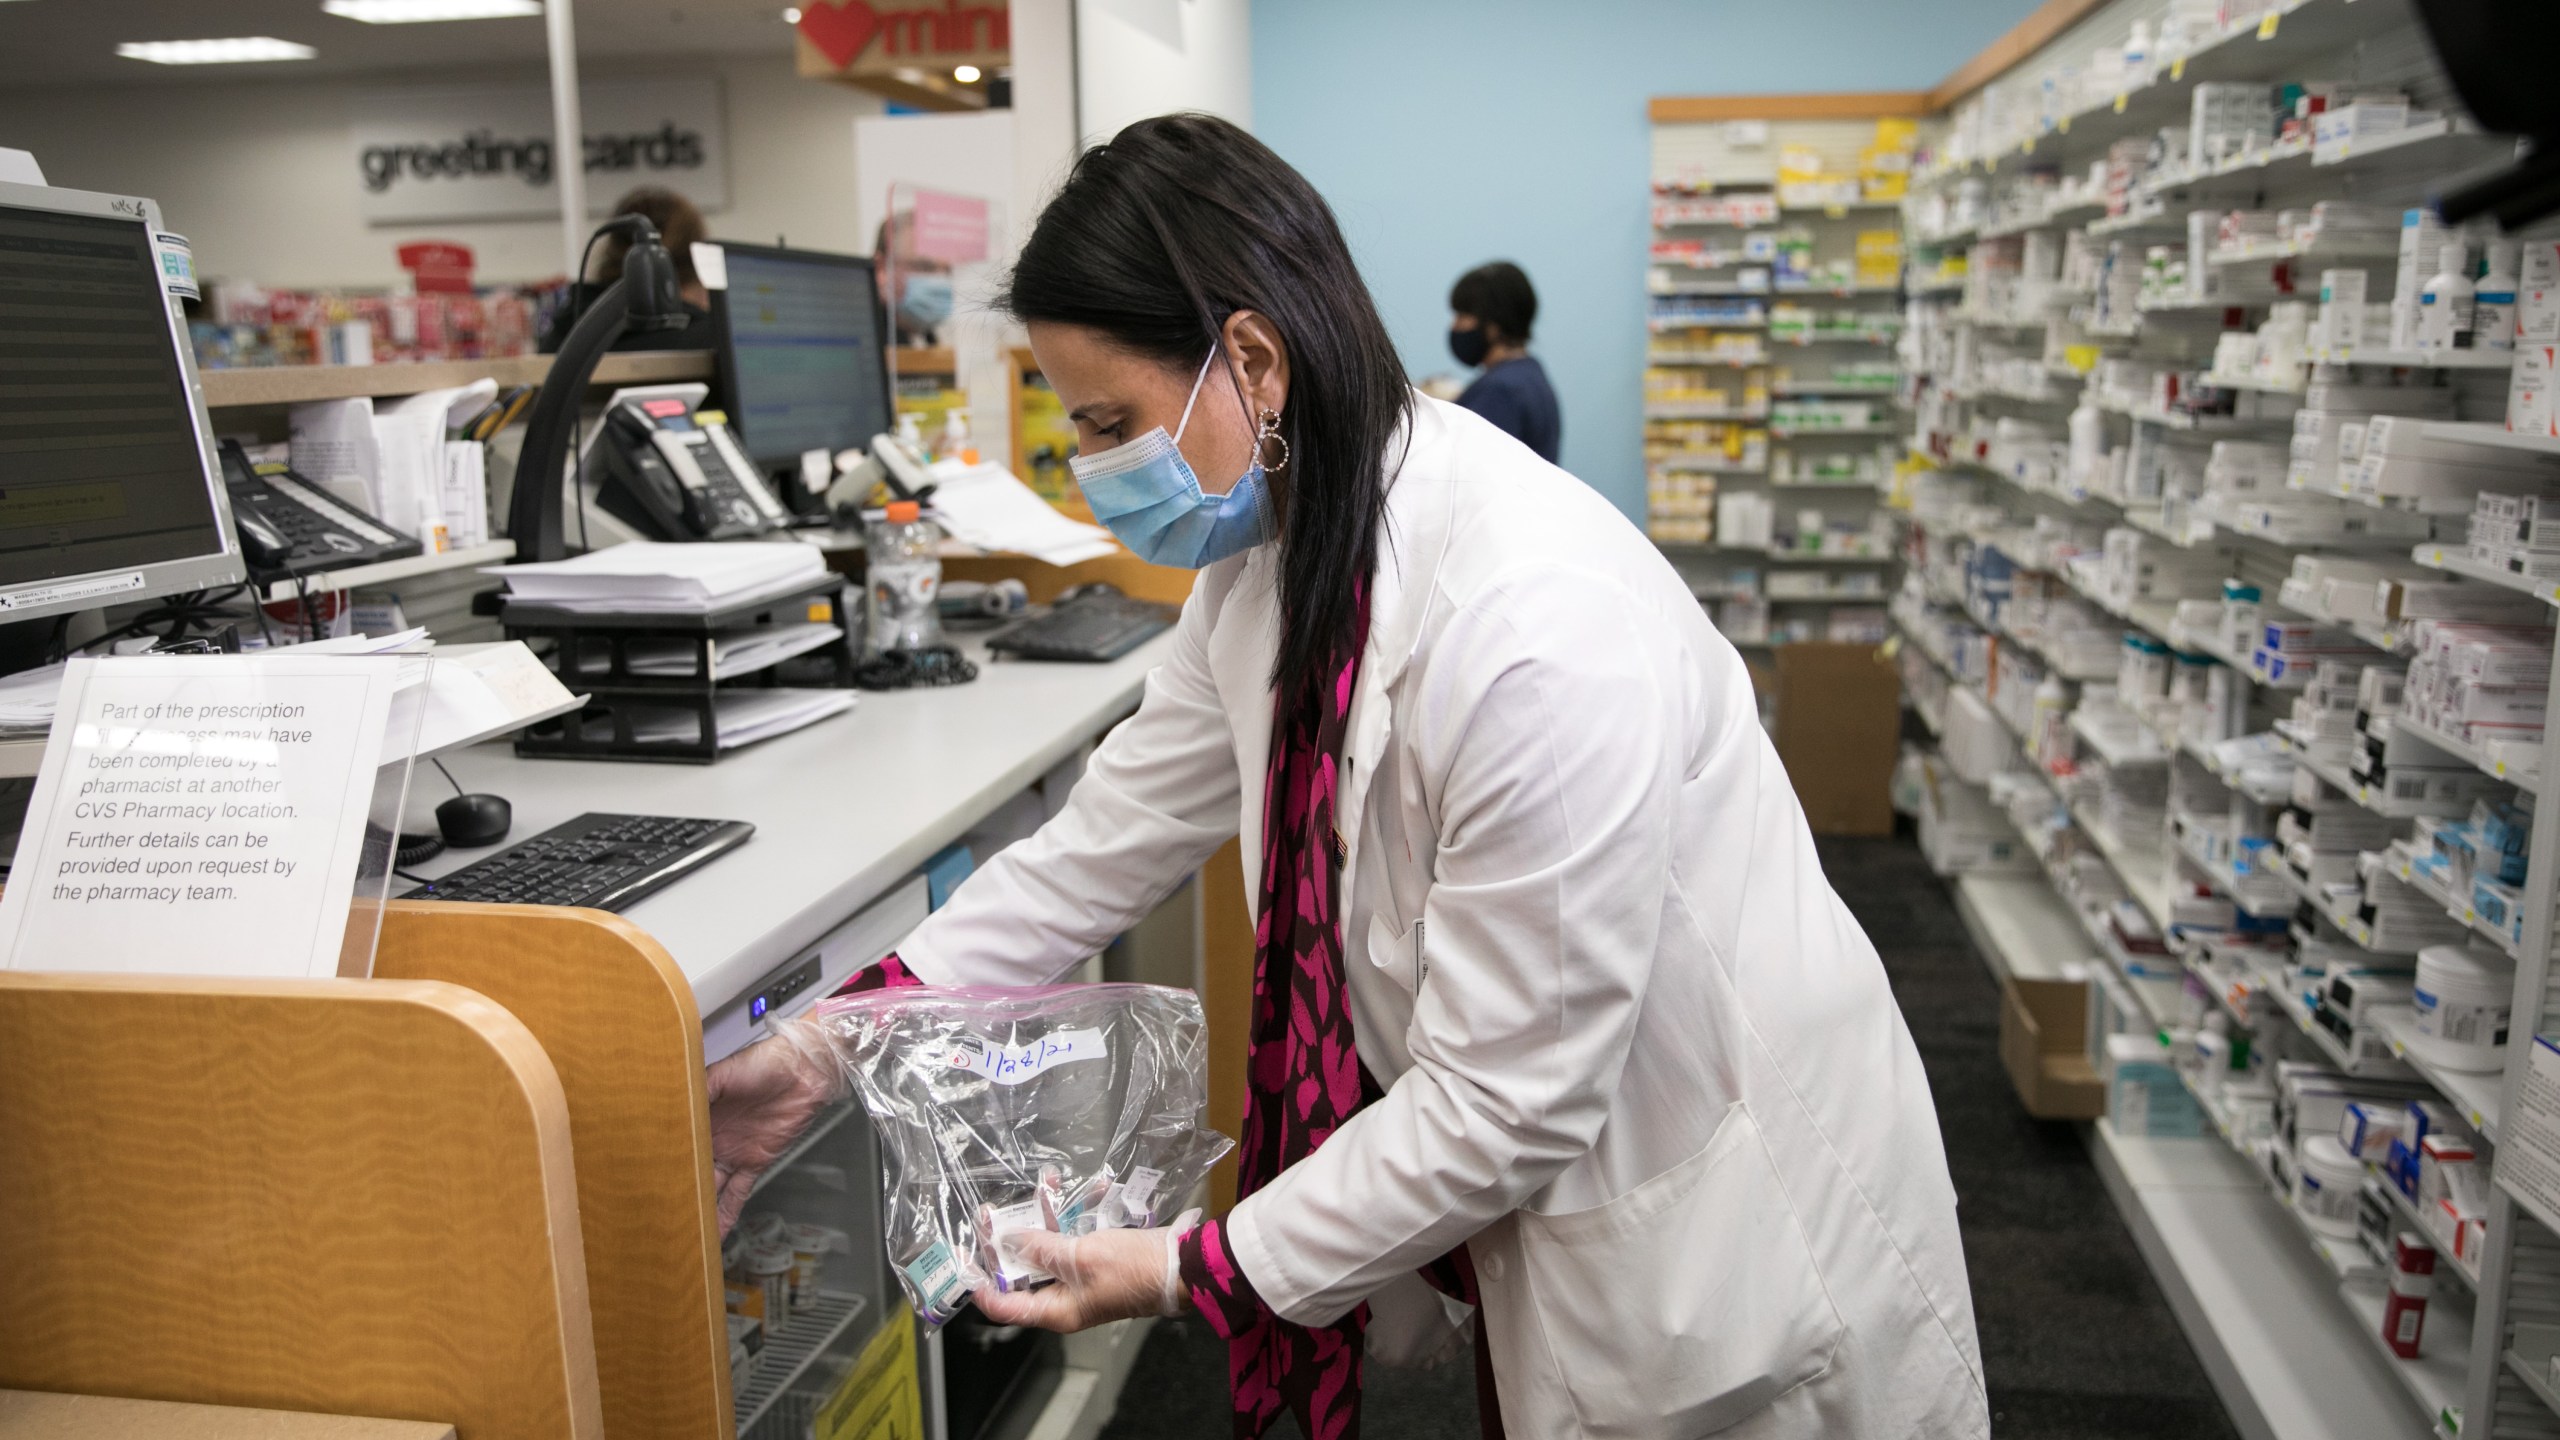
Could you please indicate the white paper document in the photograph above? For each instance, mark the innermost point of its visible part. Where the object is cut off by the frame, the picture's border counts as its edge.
(199, 816)
(746, 716)
(29, 698)
(479, 692)
(987, 507)
(743, 653)
(653, 577)
(333, 448)
(408, 478)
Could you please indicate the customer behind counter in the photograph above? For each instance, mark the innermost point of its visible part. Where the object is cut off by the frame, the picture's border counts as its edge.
(1554, 1013)
(679, 225)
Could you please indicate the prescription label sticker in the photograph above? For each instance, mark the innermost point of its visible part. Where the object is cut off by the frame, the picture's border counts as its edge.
(1138, 1195)
(935, 1278)
(1013, 1064)
(1012, 1271)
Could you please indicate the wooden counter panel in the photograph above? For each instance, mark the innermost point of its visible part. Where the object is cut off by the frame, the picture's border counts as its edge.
(294, 1194)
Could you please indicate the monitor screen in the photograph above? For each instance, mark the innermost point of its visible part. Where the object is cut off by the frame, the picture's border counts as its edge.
(801, 362)
(103, 471)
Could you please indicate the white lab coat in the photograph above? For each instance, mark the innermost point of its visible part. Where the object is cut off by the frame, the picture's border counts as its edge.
(1637, 1055)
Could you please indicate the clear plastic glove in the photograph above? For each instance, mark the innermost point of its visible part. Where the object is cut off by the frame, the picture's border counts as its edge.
(762, 1098)
(1105, 1276)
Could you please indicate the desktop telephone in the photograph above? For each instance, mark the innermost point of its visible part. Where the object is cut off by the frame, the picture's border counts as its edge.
(677, 473)
(289, 526)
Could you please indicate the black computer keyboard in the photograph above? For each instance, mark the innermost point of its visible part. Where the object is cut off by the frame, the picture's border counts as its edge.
(603, 862)
(1093, 628)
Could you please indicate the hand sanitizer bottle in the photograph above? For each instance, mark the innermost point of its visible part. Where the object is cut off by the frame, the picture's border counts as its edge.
(2446, 305)
(955, 437)
(2493, 315)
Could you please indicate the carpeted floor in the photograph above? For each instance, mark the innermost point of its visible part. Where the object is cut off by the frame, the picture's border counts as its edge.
(2076, 1340)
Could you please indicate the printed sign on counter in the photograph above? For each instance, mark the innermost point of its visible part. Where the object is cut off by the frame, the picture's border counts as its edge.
(199, 816)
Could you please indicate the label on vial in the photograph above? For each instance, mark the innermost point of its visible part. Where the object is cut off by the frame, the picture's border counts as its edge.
(936, 1278)
(1012, 1271)
(2472, 1024)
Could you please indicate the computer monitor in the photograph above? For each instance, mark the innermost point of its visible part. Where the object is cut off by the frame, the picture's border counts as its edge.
(801, 365)
(110, 485)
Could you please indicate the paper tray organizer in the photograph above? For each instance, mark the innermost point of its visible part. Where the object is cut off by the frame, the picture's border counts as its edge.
(592, 653)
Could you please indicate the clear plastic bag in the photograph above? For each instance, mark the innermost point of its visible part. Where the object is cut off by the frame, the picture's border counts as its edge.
(1071, 1108)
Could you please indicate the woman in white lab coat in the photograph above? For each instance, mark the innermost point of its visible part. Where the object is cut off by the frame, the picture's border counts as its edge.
(1555, 1015)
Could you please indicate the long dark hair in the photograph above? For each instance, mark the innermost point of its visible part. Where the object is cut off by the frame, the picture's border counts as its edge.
(1161, 235)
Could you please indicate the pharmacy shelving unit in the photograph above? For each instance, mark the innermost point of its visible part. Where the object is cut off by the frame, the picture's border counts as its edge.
(2286, 1320)
(1750, 373)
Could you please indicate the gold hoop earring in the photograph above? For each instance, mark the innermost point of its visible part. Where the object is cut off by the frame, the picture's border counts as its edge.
(1267, 431)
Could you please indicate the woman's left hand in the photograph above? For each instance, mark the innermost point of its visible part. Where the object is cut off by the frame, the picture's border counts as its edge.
(1105, 1276)
(762, 1098)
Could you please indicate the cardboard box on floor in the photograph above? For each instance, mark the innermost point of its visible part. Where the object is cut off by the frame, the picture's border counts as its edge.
(2044, 1042)
(1839, 731)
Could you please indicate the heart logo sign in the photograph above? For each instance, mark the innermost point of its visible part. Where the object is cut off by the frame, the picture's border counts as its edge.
(841, 31)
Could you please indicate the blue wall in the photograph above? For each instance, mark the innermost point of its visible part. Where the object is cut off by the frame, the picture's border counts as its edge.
(1451, 132)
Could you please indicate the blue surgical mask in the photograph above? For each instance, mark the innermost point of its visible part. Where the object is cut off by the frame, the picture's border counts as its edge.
(925, 301)
(1144, 492)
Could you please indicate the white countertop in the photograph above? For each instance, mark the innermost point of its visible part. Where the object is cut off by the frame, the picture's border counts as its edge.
(843, 810)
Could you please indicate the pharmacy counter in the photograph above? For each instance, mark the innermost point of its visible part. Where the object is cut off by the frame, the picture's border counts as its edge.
(845, 811)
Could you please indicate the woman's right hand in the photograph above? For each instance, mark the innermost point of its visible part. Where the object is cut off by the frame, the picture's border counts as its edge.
(762, 1098)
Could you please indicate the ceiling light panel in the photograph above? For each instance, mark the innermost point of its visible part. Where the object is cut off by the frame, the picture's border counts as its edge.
(419, 12)
(240, 50)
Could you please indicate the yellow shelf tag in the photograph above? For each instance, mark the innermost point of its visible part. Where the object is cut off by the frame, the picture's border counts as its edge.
(2178, 68)
(2267, 25)
(2066, 125)
(880, 1397)
(2120, 99)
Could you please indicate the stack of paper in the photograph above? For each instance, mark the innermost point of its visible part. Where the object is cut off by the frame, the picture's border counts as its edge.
(474, 692)
(987, 507)
(647, 577)
(27, 699)
(738, 653)
(397, 462)
(746, 716)
(480, 692)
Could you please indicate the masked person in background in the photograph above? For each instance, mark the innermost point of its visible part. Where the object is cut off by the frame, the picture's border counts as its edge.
(1560, 1045)
(679, 225)
(915, 289)
(1493, 309)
